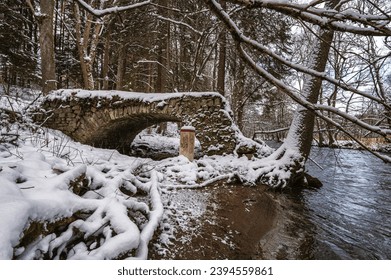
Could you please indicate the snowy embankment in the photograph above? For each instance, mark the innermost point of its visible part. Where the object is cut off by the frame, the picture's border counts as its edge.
(63, 200)
(88, 203)
(108, 203)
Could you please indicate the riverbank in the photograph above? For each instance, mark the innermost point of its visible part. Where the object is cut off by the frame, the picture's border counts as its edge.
(378, 146)
(238, 222)
(347, 218)
(234, 219)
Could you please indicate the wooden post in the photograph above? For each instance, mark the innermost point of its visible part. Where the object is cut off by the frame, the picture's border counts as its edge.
(186, 147)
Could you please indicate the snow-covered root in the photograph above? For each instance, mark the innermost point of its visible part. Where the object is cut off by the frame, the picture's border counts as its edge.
(283, 168)
(224, 177)
(106, 211)
(105, 234)
(155, 216)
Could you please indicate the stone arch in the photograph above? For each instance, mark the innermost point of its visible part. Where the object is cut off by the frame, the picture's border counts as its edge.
(112, 119)
(119, 133)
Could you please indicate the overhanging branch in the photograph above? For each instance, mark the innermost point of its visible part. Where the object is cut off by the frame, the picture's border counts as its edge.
(240, 37)
(111, 10)
(344, 21)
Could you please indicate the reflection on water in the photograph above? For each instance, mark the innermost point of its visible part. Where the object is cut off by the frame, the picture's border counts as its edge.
(348, 218)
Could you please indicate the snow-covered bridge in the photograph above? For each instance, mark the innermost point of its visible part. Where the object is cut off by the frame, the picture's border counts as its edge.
(112, 119)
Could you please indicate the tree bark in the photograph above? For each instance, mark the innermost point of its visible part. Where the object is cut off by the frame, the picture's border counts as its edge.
(46, 41)
(221, 66)
(121, 68)
(238, 97)
(331, 102)
(87, 47)
(80, 47)
(222, 58)
(106, 59)
(162, 52)
(300, 133)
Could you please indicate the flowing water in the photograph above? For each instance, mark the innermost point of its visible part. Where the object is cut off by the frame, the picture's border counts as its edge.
(349, 217)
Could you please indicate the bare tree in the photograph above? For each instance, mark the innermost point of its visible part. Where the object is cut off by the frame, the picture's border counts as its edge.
(331, 17)
(89, 26)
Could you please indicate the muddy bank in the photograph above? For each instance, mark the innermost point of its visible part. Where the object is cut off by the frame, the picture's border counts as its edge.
(346, 218)
(228, 221)
(231, 226)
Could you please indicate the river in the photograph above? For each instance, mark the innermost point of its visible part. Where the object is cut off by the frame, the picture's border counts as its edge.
(349, 217)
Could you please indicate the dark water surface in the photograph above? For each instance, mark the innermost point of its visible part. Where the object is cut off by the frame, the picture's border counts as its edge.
(348, 218)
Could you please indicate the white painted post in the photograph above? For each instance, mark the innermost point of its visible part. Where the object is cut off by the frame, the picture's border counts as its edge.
(187, 141)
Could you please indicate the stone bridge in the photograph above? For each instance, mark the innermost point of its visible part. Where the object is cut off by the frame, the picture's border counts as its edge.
(112, 119)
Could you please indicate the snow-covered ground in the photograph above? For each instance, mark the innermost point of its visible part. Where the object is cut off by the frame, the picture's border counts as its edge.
(111, 203)
(60, 199)
(50, 179)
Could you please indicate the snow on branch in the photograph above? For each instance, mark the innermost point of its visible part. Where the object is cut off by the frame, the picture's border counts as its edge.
(111, 10)
(345, 21)
(179, 23)
(306, 104)
(383, 157)
(239, 36)
(272, 131)
(300, 100)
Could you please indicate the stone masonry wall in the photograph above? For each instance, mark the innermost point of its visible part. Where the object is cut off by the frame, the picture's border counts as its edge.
(114, 121)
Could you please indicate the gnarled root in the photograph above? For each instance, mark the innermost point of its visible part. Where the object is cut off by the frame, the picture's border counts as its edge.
(284, 168)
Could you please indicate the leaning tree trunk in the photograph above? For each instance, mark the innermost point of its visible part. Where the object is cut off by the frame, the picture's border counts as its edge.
(289, 159)
(301, 131)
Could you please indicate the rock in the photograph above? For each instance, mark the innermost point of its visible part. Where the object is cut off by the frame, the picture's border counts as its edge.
(313, 182)
(246, 149)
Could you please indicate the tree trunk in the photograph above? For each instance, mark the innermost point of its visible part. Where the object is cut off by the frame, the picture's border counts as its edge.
(222, 58)
(121, 68)
(320, 134)
(292, 155)
(80, 48)
(46, 41)
(300, 134)
(238, 98)
(160, 71)
(163, 49)
(105, 66)
(87, 47)
(331, 102)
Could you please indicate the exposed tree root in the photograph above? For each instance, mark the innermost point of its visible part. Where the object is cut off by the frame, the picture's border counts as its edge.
(108, 227)
(283, 168)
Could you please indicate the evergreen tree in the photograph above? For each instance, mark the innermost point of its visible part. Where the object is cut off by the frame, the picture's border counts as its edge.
(19, 44)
